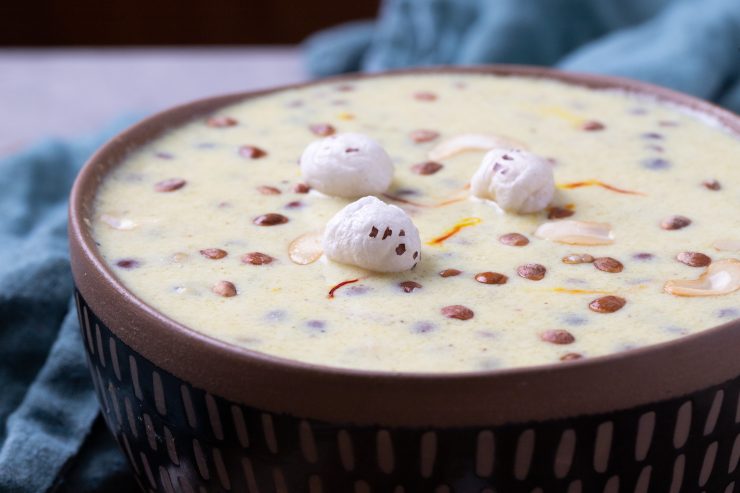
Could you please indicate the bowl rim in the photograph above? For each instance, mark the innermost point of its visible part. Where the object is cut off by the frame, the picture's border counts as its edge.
(626, 379)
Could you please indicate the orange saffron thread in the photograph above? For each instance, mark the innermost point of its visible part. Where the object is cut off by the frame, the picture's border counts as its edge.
(591, 183)
(343, 283)
(579, 291)
(464, 223)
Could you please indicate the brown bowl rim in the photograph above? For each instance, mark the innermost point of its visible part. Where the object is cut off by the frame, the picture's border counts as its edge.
(592, 385)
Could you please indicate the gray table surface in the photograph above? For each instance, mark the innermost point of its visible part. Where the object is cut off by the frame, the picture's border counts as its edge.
(68, 92)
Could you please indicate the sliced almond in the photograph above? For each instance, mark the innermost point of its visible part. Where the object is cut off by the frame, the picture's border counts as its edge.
(471, 142)
(727, 245)
(576, 232)
(306, 249)
(721, 277)
(118, 222)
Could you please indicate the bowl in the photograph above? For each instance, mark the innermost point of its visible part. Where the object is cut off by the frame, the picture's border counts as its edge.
(194, 414)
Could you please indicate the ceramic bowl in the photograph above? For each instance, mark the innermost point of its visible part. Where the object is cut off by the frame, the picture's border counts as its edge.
(193, 414)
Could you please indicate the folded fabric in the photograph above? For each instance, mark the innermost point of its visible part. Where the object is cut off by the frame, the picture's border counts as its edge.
(47, 406)
(689, 45)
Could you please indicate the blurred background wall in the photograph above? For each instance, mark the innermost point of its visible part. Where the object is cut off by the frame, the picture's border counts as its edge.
(69, 67)
(171, 22)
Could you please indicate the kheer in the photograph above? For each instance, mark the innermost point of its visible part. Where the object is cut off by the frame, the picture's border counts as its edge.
(213, 225)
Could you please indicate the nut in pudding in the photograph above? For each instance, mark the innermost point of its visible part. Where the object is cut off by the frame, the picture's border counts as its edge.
(225, 289)
(607, 304)
(514, 239)
(533, 272)
(491, 278)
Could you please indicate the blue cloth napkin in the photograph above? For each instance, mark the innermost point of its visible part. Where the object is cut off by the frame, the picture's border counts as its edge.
(689, 45)
(47, 405)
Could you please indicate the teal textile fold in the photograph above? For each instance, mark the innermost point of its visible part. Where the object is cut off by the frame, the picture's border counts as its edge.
(47, 405)
(689, 45)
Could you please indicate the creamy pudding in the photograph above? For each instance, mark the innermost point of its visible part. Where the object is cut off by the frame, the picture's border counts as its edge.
(214, 224)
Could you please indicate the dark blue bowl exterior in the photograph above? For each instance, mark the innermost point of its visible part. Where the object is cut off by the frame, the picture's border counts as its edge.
(183, 439)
